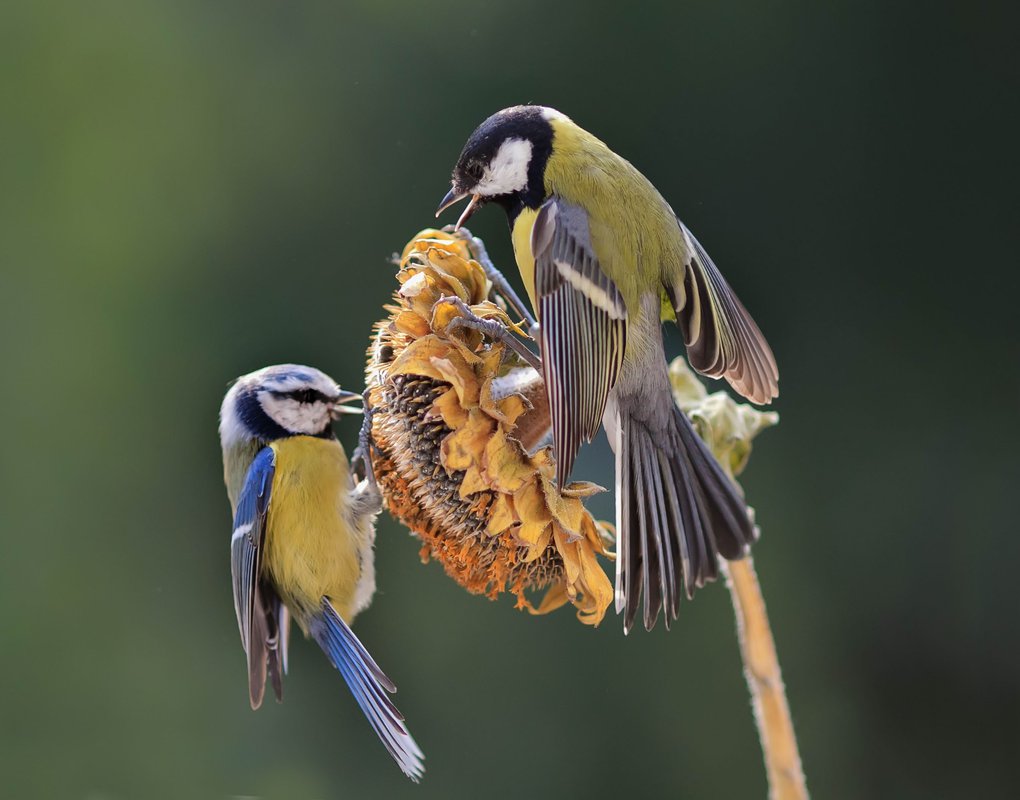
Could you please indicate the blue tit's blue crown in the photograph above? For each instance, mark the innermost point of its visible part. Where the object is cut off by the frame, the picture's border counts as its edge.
(290, 377)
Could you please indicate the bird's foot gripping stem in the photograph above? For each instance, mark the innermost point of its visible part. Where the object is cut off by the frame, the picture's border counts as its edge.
(500, 285)
(361, 461)
(494, 329)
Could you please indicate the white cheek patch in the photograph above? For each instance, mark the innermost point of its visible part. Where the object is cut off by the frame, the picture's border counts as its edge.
(295, 417)
(508, 171)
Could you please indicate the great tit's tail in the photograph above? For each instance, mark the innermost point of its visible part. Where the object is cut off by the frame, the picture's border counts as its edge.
(369, 685)
(676, 510)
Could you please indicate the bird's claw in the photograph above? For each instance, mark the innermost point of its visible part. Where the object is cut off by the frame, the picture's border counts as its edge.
(489, 327)
(500, 285)
(362, 457)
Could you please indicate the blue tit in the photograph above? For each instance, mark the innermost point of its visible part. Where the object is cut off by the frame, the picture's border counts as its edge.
(605, 260)
(303, 535)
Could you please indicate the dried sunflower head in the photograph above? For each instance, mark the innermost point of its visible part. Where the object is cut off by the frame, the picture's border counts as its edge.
(454, 417)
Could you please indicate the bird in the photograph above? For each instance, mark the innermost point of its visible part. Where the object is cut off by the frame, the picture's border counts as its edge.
(302, 540)
(605, 260)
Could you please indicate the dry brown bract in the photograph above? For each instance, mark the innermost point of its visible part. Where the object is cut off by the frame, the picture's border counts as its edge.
(451, 408)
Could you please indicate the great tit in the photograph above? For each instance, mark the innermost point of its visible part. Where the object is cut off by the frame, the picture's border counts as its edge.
(605, 259)
(303, 537)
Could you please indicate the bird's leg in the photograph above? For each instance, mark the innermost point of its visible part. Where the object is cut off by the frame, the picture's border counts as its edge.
(500, 284)
(491, 328)
(361, 461)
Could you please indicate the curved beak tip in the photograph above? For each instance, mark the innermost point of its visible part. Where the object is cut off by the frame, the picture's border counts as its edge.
(451, 197)
(468, 211)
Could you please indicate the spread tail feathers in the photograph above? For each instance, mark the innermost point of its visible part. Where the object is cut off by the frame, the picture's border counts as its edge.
(676, 511)
(369, 686)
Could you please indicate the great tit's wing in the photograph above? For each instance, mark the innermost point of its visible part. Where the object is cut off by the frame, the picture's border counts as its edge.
(369, 685)
(582, 327)
(722, 339)
(257, 606)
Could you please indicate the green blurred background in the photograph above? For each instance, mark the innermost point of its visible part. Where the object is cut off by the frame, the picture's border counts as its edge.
(192, 190)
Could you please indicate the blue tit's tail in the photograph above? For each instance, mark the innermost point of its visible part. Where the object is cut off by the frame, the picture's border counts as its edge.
(369, 686)
(676, 510)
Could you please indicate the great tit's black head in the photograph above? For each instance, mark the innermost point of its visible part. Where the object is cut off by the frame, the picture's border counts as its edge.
(504, 161)
(281, 401)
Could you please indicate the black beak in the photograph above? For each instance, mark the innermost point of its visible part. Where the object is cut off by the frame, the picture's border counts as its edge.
(339, 408)
(453, 196)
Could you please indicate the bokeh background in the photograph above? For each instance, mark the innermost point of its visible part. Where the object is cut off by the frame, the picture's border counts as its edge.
(191, 190)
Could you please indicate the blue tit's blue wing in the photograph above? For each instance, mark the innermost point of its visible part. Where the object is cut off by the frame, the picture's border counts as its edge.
(369, 685)
(257, 607)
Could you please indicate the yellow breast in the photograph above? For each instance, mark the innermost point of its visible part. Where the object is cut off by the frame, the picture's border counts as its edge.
(311, 549)
(521, 237)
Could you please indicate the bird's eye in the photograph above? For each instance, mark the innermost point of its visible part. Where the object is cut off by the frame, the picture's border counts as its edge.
(306, 396)
(475, 170)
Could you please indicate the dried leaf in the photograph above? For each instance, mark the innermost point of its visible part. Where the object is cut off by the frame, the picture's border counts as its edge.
(581, 489)
(506, 464)
(412, 324)
(460, 376)
(555, 597)
(501, 514)
(464, 447)
(416, 359)
(449, 408)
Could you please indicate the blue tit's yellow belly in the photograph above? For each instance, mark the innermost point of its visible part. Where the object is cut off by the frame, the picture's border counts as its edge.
(520, 235)
(310, 550)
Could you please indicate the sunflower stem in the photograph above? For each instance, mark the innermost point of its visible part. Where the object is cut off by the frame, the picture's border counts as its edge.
(765, 682)
(728, 428)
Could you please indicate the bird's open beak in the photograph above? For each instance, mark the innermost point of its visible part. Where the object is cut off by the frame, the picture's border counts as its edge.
(339, 408)
(452, 197)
